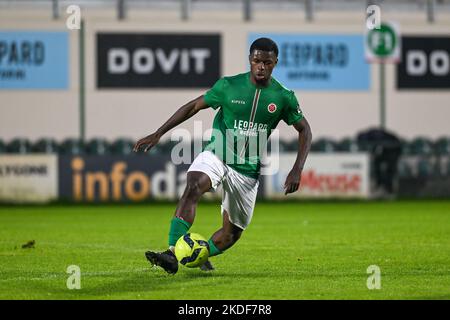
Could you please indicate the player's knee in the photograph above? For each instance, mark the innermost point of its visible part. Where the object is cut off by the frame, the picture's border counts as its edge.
(193, 190)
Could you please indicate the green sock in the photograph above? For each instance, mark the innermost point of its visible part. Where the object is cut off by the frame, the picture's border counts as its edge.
(178, 228)
(213, 250)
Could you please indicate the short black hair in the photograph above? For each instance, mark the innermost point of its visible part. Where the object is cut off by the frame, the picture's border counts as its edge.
(264, 44)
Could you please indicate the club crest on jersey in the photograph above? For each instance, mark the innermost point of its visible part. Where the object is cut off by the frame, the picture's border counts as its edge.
(272, 107)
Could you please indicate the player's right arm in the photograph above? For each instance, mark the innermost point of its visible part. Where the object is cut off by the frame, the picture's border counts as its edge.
(182, 114)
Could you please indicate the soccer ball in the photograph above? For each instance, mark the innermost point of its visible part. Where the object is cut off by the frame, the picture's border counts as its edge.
(192, 250)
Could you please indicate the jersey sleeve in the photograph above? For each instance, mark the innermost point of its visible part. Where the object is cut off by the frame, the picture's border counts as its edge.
(292, 112)
(214, 96)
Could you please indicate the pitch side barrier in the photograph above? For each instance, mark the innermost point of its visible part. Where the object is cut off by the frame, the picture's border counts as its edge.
(41, 178)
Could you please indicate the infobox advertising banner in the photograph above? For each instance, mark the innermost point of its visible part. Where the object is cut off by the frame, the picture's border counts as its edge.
(142, 60)
(119, 178)
(135, 178)
(320, 61)
(34, 60)
(425, 63)
(330, 175)
(28, 178)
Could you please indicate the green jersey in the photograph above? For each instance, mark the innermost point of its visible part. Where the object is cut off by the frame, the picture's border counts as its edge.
(248, 113)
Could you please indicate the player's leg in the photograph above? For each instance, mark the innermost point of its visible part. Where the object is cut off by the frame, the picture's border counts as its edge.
(197, 184)
(238, 203)
(225, 237)
(204, 174)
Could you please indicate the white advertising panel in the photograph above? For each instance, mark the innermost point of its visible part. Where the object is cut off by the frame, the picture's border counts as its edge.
(28, 178)
(325, 175)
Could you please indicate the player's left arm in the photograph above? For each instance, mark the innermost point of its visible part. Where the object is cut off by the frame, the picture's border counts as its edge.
(304, 144)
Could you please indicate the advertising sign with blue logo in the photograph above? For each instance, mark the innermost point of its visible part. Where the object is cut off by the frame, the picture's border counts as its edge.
(320, 62)
(34, 60)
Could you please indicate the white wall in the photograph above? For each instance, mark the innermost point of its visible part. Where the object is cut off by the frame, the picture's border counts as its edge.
(134, 113)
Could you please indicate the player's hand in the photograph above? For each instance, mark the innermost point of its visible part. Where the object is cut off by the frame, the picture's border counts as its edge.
(148, 142)
(292, 181)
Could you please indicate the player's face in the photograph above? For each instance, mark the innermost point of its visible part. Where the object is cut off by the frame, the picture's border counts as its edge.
(262, 64)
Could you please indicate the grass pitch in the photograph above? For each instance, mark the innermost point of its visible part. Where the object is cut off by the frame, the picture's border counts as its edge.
(290, 251)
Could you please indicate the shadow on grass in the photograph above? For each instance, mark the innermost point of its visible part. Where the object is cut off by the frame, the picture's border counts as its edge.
(150, 284)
